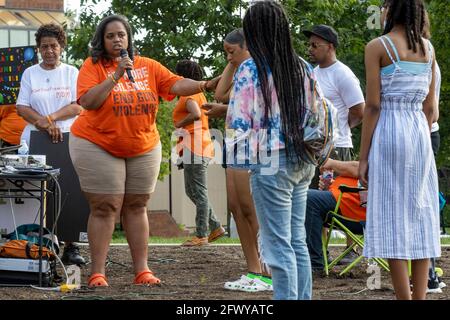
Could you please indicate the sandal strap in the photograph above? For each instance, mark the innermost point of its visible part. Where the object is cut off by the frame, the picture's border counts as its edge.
(137, 279)
(96, 276)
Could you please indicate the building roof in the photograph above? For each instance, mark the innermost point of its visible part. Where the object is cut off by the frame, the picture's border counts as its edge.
(29, 19)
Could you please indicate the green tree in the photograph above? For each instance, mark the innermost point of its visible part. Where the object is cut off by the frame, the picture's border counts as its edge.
(349, 18)
(439, 11)
(165, 127)
(79, 38)
(169, 30)
(166, 31)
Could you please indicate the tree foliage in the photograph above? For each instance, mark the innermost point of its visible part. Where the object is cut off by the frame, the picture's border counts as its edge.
(439, 11)
(170, 30)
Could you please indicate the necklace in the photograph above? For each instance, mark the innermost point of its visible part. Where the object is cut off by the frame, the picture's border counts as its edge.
(45, 67)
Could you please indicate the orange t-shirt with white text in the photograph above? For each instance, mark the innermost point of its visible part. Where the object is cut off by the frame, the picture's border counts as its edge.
(125, 124)
(199, 140)
(351, 202)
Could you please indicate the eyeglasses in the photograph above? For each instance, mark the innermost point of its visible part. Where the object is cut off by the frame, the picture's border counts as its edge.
(316, 45)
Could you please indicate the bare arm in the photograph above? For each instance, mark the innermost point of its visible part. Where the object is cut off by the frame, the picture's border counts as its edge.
(430, 105)
(215, 110)
(32, 116)
(342, 168)
(188, 87)
(95, 97)
(373, 54)
(67, 112)
(225, 84)
(42, 123)
(194, 114)
(355, 115)
(436, 111)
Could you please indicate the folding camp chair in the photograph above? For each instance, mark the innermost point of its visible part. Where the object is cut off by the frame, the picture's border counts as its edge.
(335, 221)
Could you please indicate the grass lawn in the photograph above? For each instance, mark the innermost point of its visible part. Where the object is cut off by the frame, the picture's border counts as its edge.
(119, 237)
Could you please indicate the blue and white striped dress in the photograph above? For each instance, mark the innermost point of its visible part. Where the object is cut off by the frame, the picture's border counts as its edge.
(402, 208)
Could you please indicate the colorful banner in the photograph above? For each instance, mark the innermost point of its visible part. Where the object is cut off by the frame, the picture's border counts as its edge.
(13, 61)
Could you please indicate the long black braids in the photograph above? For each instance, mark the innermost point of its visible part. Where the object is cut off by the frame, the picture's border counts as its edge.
(411, 14)
(268, 38)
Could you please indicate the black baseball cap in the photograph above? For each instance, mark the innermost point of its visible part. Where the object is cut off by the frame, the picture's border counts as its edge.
(325, 32)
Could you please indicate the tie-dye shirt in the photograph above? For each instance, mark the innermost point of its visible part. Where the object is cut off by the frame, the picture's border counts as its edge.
(248, 138)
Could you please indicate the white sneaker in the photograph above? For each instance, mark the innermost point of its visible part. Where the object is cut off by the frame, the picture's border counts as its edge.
(434, 290)
(442, 285)
(256, 285)
(236, 285)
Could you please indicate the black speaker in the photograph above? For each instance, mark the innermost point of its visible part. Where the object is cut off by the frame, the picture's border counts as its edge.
(72, 222)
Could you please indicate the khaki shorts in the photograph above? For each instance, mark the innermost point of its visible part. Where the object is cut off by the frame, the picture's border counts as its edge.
(101, 172)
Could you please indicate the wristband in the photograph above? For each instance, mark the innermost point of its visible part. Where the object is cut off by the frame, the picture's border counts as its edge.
(50, 120)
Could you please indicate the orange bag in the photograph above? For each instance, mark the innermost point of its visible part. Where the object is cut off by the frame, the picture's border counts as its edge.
(24, 250)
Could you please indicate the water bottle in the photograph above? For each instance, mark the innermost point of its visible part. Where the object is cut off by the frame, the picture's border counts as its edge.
(327, 175)
(326, 178)
(23, 148)
(362, 195)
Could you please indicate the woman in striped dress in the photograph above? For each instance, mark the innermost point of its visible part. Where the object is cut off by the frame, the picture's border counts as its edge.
(397, 161)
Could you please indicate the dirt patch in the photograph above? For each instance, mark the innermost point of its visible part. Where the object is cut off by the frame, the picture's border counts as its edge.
(199, 274)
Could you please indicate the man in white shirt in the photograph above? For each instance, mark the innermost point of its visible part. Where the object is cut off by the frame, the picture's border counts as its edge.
(339, 85)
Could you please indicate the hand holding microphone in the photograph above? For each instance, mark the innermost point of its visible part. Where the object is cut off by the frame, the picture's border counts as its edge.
(125, 64)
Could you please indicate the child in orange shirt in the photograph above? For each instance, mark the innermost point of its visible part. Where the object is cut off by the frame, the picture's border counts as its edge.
(196, 148)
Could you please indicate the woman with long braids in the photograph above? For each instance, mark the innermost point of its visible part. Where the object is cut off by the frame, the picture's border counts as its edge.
(265, 113)
(240, 201)
(396, 160)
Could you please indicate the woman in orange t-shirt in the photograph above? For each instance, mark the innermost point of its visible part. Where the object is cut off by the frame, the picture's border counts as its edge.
(114, 143)
(11, 126)
(196, 151)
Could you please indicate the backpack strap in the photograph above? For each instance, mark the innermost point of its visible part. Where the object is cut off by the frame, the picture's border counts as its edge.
(312, 80)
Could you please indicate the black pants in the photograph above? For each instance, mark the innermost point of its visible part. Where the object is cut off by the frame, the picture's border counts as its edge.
(435, 144)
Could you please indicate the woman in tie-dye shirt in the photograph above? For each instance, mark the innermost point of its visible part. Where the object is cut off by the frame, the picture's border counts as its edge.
(264, 133)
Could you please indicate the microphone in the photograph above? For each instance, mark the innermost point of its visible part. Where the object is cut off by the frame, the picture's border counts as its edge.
(123, 54)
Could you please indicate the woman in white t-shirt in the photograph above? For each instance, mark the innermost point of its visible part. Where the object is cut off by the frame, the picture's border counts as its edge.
(47, 97)
(47, 100)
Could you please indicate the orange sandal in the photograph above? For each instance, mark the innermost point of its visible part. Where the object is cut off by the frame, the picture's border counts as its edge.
(97, 280)
(146, 277)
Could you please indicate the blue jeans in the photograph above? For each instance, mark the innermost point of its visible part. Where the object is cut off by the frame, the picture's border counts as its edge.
(317, 206)
(280, 202)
